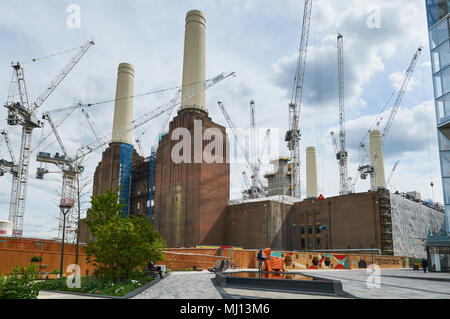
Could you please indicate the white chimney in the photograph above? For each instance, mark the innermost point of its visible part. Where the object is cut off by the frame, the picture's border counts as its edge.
(377, 180)
(311, 173)
(123, 110)
(194, 61)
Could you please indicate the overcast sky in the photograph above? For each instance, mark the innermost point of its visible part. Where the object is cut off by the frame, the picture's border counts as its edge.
(258, 40)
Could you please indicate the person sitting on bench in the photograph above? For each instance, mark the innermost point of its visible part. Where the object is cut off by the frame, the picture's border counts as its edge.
(152, 268)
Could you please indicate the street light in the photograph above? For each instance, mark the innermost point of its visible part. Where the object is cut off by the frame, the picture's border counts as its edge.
(65, 205)
(372, 245)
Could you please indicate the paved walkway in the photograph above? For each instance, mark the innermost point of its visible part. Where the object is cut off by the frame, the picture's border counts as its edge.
(54, 295)
(394, 284)
(183, 285)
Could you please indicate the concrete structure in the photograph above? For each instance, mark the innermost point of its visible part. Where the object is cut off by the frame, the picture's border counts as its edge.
(377, 180)
(191, 194)
(279, 181)
(123, 110)
(311, 173)
(194, 62)
(6, 228)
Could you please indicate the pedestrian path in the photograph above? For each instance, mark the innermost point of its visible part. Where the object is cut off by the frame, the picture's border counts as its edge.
(183, 285)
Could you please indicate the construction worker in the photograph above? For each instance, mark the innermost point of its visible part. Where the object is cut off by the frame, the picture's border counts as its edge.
(260, 260)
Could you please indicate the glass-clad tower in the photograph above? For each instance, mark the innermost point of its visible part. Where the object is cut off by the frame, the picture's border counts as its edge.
(439, 34)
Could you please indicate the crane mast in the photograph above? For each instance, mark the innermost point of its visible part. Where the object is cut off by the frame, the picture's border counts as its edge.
(371, 167)
(293, 136)
(147, 117)
(21, 112)
(342, 154)
(256, 189)
(392, 173)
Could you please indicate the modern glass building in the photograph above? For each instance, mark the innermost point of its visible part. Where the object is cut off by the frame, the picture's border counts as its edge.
(439, 35)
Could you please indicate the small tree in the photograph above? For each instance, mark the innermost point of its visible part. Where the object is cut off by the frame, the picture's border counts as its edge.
(122, 243)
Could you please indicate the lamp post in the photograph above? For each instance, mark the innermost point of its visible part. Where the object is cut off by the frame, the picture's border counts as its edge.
(65, 205)
(293, 237)
(372, 245)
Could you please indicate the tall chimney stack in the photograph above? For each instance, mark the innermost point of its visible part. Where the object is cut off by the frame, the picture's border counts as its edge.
(194, 60)
(377, 180)
(311, 173)
(123, 110)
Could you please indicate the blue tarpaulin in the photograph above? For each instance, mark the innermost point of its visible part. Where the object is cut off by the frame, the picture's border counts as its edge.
(151, 182)
(125, 175)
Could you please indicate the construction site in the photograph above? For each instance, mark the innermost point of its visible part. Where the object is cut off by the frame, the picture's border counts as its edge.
(182, 181)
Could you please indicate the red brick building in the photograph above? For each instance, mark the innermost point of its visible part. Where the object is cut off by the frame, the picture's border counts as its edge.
(191, 198)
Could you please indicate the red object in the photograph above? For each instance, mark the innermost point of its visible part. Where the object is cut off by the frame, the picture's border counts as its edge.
(321, 197)
(432, 185)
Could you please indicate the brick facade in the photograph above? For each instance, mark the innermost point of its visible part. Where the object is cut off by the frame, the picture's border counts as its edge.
(191, 198)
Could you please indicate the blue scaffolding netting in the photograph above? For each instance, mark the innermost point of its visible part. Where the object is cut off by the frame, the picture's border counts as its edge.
(150, 185)
(125, 175)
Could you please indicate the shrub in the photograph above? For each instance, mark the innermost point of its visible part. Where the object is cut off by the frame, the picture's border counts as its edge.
(21, 284)
(36, 259)
(122, 243)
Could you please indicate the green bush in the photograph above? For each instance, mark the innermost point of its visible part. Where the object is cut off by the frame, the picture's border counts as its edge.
(122, 243)
(100, 285)
(36, 259)
(21, 284)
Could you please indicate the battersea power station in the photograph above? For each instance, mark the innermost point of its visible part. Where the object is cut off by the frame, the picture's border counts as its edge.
(187, 195)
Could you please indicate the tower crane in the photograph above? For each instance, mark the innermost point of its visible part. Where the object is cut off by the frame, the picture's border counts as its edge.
(341, 152)
(392, 173)
(147, 117)
(69, 169)
(370, 169)
(92, 127)
(293, 136)
(11, 167)
(257, 189)
(21, 112)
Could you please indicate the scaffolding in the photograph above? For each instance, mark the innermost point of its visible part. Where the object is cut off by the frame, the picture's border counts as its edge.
(412, 222)
(387, 243)
(279, 181)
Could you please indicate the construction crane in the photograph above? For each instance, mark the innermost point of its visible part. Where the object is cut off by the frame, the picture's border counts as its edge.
(370, 169)
(93, 129)
(69, 169)
(12, 168)
(142, 120)
(147, 117)
(293, 136)
(392, 173)
(341, 152)
(21, 112)
(257, 189)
